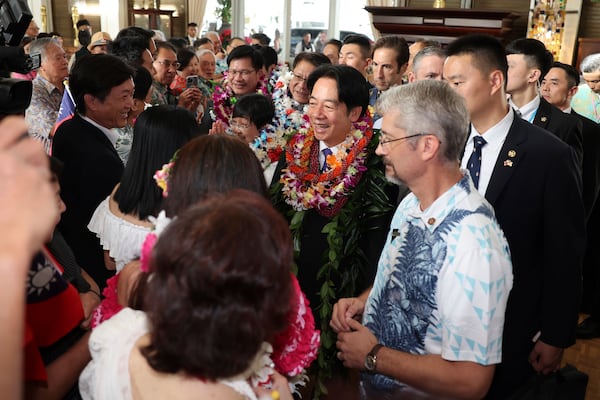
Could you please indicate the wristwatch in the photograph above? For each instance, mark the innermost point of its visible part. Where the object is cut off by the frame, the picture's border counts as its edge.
(371, 358)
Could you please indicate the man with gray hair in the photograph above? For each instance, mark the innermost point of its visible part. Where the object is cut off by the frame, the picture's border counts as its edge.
(48, 89)
(586, 101)
(433, 320)
(428, 63)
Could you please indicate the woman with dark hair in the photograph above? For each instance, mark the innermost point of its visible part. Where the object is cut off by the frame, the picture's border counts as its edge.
(190, 68)
(210, 308)
(213, 163)
(121, 220)
(189, 65)
(204, 165)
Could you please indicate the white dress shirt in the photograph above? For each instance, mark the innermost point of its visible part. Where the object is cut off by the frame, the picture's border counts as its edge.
(495, 137)
(110, 134)
(322, 146)
(529, 110)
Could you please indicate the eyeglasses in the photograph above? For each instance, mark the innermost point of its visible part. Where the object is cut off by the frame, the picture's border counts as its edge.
(240, 125)
(384, 141)
(242, 72)
(168, 63)
(300, 77)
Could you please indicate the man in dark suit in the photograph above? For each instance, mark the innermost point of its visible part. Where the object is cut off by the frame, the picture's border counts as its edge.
(528, 62)
(192, 33)
(102, 87)
(558, 87)
(338, 241)
(533, 182)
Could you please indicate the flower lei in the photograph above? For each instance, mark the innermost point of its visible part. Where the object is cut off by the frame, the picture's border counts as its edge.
(268, 145)
(289, 116)
(296, 347)
(367, 208)
(305, 188)
(224, 99)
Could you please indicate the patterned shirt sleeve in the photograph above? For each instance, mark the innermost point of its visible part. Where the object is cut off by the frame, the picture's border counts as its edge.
(42, 111)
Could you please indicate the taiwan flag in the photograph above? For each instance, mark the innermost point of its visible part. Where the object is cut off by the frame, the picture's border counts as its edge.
(66, 110)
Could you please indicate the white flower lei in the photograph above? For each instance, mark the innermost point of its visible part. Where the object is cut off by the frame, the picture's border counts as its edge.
(289, 117)
(289, 114)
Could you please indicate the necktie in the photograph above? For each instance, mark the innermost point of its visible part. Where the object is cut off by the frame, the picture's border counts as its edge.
(474, 164)
(326, 152)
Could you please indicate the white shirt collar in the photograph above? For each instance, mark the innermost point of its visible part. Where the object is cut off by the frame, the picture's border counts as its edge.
(495, 137)
(109, 133)
(528, 110)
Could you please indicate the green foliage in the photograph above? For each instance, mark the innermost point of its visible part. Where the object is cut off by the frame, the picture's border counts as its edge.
(223, 11)
(344, 262)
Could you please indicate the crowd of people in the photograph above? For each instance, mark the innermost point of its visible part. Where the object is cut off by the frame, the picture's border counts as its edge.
(373, 221)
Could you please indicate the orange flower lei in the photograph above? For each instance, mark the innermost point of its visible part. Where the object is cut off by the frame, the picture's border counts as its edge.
(304, 187)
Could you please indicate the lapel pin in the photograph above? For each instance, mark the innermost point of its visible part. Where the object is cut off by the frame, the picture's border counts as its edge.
(508, 163)
(544, 119)
(512, 153)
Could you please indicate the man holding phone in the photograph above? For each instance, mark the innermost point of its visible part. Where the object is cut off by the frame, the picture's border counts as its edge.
(165, 66)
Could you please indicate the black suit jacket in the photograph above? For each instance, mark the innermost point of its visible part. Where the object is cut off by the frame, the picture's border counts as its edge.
(591, 162)
(590, 300)
(564, 126)
(91, 170)
(535, 189)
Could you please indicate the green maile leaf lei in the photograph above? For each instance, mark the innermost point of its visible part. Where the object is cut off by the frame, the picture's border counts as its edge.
(344, 231)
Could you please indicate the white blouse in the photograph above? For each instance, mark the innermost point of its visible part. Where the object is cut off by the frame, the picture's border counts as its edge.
(106, 377)
(121, 238)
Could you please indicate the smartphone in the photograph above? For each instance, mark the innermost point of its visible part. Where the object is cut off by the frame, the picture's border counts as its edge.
(192, 81)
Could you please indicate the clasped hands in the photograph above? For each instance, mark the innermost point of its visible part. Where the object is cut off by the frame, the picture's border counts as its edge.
(354, 341)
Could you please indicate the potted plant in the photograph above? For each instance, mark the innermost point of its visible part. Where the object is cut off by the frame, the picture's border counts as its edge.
(223, 12)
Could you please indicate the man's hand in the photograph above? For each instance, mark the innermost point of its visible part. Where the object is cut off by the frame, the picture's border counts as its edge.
(344, 310)
(355, 345)
(191, 98)
(545, 358)
(218, 128)
(89, 301)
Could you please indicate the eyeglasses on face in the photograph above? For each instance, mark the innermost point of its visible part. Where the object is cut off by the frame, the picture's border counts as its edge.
(383, 141)
(299, 77)
(242, 72)
(239, 125)
(168, 63)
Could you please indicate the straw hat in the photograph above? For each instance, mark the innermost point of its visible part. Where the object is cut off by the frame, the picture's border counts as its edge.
(99, 39)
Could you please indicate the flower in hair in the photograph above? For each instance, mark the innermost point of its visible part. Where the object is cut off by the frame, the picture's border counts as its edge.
(160, 223)
(162, 175)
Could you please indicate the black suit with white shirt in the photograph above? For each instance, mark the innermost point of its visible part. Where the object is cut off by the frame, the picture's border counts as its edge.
(535, 189)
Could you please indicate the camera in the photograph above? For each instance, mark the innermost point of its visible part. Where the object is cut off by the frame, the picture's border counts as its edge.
(192, 81)
(15, 95)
